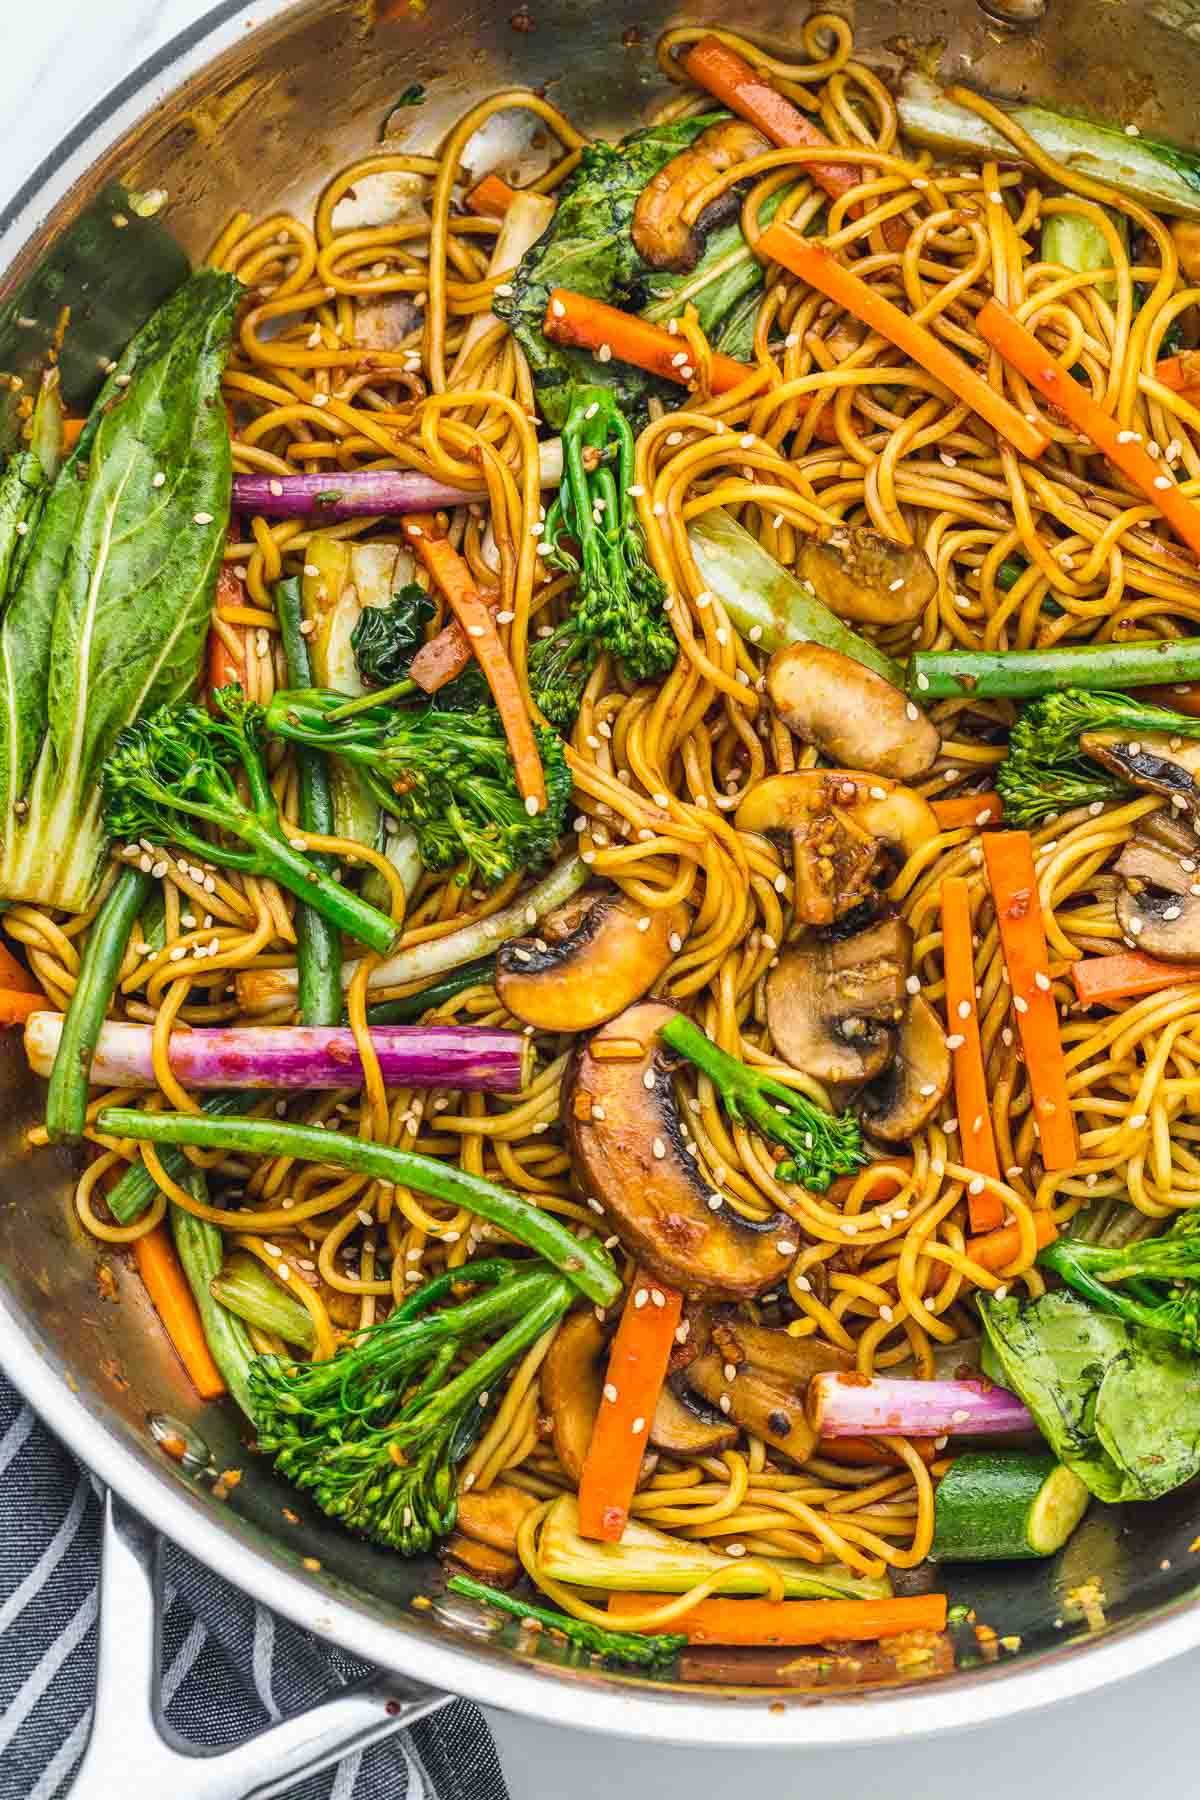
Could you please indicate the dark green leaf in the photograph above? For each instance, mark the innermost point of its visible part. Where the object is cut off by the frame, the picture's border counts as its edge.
(386, 638)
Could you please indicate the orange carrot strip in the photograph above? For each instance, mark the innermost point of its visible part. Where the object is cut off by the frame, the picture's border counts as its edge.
(15, 977)
(1181, 374)
(813, 264)
(1009, 859)
(975, 1136)
(167, 1285)
(999, 1248)
(15, 1007)
(491, 197)
(592, 324)
(968, 809)
(637, 1366)
(872, 1452)
(1018, 346)
(1102, 980)
(474, 615)
(721, 1621)
(447, 654)
(71, 432)
(1181, 696)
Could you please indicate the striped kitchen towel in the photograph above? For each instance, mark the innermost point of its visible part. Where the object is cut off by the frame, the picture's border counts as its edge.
(229, 1666)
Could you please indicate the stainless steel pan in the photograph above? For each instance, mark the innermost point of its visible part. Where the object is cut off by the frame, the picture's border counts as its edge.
(259, 103)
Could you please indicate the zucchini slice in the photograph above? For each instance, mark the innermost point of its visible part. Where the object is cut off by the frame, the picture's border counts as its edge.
(992, 1507)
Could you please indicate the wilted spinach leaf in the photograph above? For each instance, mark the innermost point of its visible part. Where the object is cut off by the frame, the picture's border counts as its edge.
(386, 638)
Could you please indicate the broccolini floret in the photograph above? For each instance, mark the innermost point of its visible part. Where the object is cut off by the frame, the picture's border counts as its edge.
(447, 774)
(626, 1647)
(1154, 1282)
(1048, 769)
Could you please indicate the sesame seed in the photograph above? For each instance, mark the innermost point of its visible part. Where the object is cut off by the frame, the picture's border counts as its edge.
(532, 805)
(1137, 1121)
(955, 1041)
(725, 1403)
(659, 1148)
(604, 353)
(202, 518)
(913, 712)
(1021, 1004)
(610, 1392)
(786, 1247)
(715, 1202)
(959, 1417)
(158, 480)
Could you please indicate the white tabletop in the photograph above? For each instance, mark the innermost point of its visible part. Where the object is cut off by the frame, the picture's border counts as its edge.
(56, 58)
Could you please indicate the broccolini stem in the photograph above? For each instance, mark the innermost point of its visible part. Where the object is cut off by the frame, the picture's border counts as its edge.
(614, 1646)
(399, 690)
(318, 944)
(583, 1260)
(66, 1102)
(295, 871)
(1021, 674)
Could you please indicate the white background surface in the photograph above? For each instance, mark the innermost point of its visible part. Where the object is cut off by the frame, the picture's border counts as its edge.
(1138, 1741)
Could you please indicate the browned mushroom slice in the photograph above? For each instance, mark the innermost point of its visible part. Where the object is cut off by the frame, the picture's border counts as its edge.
(757, 1401)
(793, 1361)
(494, 1517)
(905, 1097)
(685, 1426)
(832, 1006)
(1160, 764)
(850, 833)
(862, 575)
(852, 715)
(572, 1382)
(660, 234)
(1156, 907)
(630, 1154)
(591, 958)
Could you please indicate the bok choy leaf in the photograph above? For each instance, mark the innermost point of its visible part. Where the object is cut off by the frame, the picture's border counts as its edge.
(109, 616)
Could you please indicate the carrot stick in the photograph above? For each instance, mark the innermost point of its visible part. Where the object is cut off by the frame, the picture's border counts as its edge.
(813, 264)
(15, 977)
(730, 79)
(474, 615)
(976, 1139)
(968, 809)
(72, 430)
(721, 1621)
(637, 1365)
(872, 1452)
(1009, 859)
(16, 1007)
(1183, 696)
(594, 325)
(1181, 374)
(447, 654)
(1018, 346)
(1103, 980)
(167, 1285)
(491, 197)
(1000, 1247)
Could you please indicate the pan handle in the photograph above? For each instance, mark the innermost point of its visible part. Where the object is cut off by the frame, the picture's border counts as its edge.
(133, 1750)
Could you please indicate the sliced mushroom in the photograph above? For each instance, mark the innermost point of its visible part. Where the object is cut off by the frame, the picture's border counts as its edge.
(1156, 908)
(572, 1383)
(852, 715)
(494, 1517)
(771, 1409)
(685, 1426)
(905, 1097)
(591, 958)
(497, 1567)
(1158, 763)
(850, 833)
(862, 575)
(629, 1153)
(833, 1004)
(793, 1361)
(659, 232)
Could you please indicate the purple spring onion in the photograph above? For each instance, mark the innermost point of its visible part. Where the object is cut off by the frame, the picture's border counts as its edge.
(841, 1405)
(364, 493)
(479, 1058)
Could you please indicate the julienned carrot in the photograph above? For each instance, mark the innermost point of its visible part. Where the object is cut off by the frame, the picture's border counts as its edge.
(16, 1007)
(872, 1452)
(167, 1285)
(1181, 374)
(637, 1366)
(474, 615)
(1018, 346)
(1009, 859)
(968, 809)
(813, 264)
(71, 432)
(1103, 980)
(490, 198)
(447, 654)
(977, 1142)
(999, 1248)
(729, 78)
(720, 1621)
(1183, 696)
(594, 325)
(14, 976)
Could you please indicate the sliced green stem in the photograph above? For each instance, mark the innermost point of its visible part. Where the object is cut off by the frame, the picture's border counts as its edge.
(201, 1249)
(584, 1260)
(1021, 674)
(399, 690)
(66, 1102)
(614, 1646)
(414, 1006)
(244, 1287)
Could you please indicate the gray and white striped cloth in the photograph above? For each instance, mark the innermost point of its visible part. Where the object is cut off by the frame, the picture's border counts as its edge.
(229, 1666)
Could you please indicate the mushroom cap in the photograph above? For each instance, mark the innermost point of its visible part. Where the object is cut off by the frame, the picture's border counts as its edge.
(864, 576)
(906, 1095)
(590, 959)
(853, 716)
(661, 234)
(1155, 906)
(876, 804)
(833, 1004)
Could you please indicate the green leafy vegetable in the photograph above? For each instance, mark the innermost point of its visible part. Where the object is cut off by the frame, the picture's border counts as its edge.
(614, 1646)
(821, 1145)
(375, 1432)
(1047, 768)
(110, 615)
(1154, 1283)
(1117, 1404)
(178, 769)
(386, 638)
(587, 247)
(26, 482)
(448, 775)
